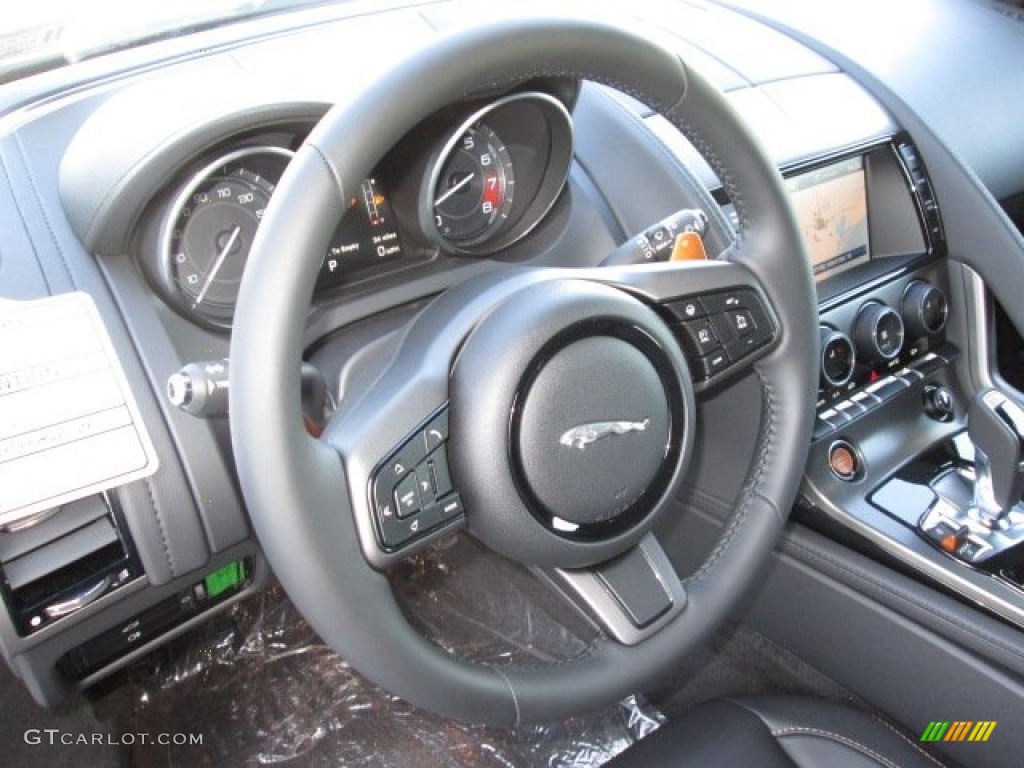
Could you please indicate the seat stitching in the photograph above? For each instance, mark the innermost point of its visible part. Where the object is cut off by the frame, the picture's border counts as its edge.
(903, 736)
(837, 737)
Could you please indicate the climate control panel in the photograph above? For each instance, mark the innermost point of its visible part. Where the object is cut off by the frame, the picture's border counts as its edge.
(870, 342)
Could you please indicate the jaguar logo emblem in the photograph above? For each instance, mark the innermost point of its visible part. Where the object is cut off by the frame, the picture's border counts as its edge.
(585, 434)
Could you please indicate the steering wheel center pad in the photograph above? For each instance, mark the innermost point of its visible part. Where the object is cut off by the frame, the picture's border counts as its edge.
(297, 489)
(570, 422)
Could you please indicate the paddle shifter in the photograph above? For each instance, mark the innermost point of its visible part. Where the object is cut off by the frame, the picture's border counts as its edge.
(995, 425)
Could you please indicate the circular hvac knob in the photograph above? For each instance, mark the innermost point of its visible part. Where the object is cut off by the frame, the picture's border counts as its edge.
(878, 331)
(837, 357)
(925, 309)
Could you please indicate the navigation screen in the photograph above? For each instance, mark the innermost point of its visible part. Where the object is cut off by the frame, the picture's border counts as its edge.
(832, 209)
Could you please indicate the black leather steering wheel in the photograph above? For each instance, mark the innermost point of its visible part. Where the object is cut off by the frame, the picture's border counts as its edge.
(549, 473)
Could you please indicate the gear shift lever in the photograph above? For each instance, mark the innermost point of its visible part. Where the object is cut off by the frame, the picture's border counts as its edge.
(977, 515)
(995, 424)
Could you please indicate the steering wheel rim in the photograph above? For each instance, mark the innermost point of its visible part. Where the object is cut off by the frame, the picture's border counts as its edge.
(296, 487)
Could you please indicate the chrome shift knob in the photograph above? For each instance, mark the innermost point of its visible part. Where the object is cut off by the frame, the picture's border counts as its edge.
(995, 424)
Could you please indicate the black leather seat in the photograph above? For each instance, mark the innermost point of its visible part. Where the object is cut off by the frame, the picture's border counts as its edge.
(775, 732)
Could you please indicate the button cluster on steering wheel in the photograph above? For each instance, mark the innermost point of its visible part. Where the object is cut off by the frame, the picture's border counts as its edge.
(720, 329)
(412, 492)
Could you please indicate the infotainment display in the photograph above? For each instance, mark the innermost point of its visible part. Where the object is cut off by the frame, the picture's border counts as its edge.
(832, 210)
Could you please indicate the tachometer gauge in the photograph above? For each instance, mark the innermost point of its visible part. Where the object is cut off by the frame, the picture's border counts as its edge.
(209, 231)
(497, 174)
(473, 187)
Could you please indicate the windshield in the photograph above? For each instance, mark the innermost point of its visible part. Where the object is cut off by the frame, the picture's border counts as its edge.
(43, 34)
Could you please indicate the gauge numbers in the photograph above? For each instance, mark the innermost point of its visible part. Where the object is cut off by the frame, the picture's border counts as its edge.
(212, 226)
(473, 187)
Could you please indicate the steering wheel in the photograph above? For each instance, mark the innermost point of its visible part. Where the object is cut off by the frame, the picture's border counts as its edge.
(558, 402)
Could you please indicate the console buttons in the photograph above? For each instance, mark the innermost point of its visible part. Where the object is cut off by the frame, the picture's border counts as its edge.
(887, 388)
(720, 329)
(836, 416)
(742, 322)
(844, 461)
(442, 480)
(909, 376)
(407, 496)
(395, 532)
(686, 309)
(850, 409)
(436, 432)
(412, 491)
(948, 536)
(700, 337)
(711, 364)
(402, 462)
(865, 400)
(972, 548)
(831, 417)
(929, 364)
(451, 507)
(660, 239)
(939, 403)
(728, 301)
(384, 500)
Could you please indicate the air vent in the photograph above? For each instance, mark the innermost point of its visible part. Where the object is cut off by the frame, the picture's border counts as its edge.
(63, 563)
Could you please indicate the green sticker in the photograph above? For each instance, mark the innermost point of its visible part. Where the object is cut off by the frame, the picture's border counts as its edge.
(228, 577)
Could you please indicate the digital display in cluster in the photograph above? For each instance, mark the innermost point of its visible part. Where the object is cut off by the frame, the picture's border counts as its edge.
(366, 236)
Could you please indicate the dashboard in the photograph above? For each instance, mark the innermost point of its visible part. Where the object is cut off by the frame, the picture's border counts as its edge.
(155, 222)
(471, 181)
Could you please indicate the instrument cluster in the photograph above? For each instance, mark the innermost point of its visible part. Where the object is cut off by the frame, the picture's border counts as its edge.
(471, 181)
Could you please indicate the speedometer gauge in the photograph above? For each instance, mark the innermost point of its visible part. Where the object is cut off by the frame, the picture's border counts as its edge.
(211, 226)
(473, 188)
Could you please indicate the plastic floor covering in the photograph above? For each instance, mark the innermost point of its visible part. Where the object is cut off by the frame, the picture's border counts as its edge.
(262, 689)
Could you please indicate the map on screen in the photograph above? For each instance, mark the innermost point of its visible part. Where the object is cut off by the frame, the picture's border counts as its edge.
(832, 210)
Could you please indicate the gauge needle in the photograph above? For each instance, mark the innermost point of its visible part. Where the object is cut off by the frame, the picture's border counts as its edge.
(216, 266)
(454, 189)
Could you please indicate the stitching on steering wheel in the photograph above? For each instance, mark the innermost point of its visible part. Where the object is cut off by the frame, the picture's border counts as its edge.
(521, 77)
(331, 170)
(719, 168)
(722, 231)
(764, 447)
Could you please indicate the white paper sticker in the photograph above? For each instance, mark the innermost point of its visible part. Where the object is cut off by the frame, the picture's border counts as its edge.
(69, 426)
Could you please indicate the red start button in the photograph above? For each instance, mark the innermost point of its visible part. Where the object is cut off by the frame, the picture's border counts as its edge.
(843, 460)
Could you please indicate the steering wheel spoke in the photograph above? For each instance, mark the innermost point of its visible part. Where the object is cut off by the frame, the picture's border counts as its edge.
(393, 442)
(631, 597)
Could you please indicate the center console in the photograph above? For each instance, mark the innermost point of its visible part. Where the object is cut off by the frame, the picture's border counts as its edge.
(903, 455)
